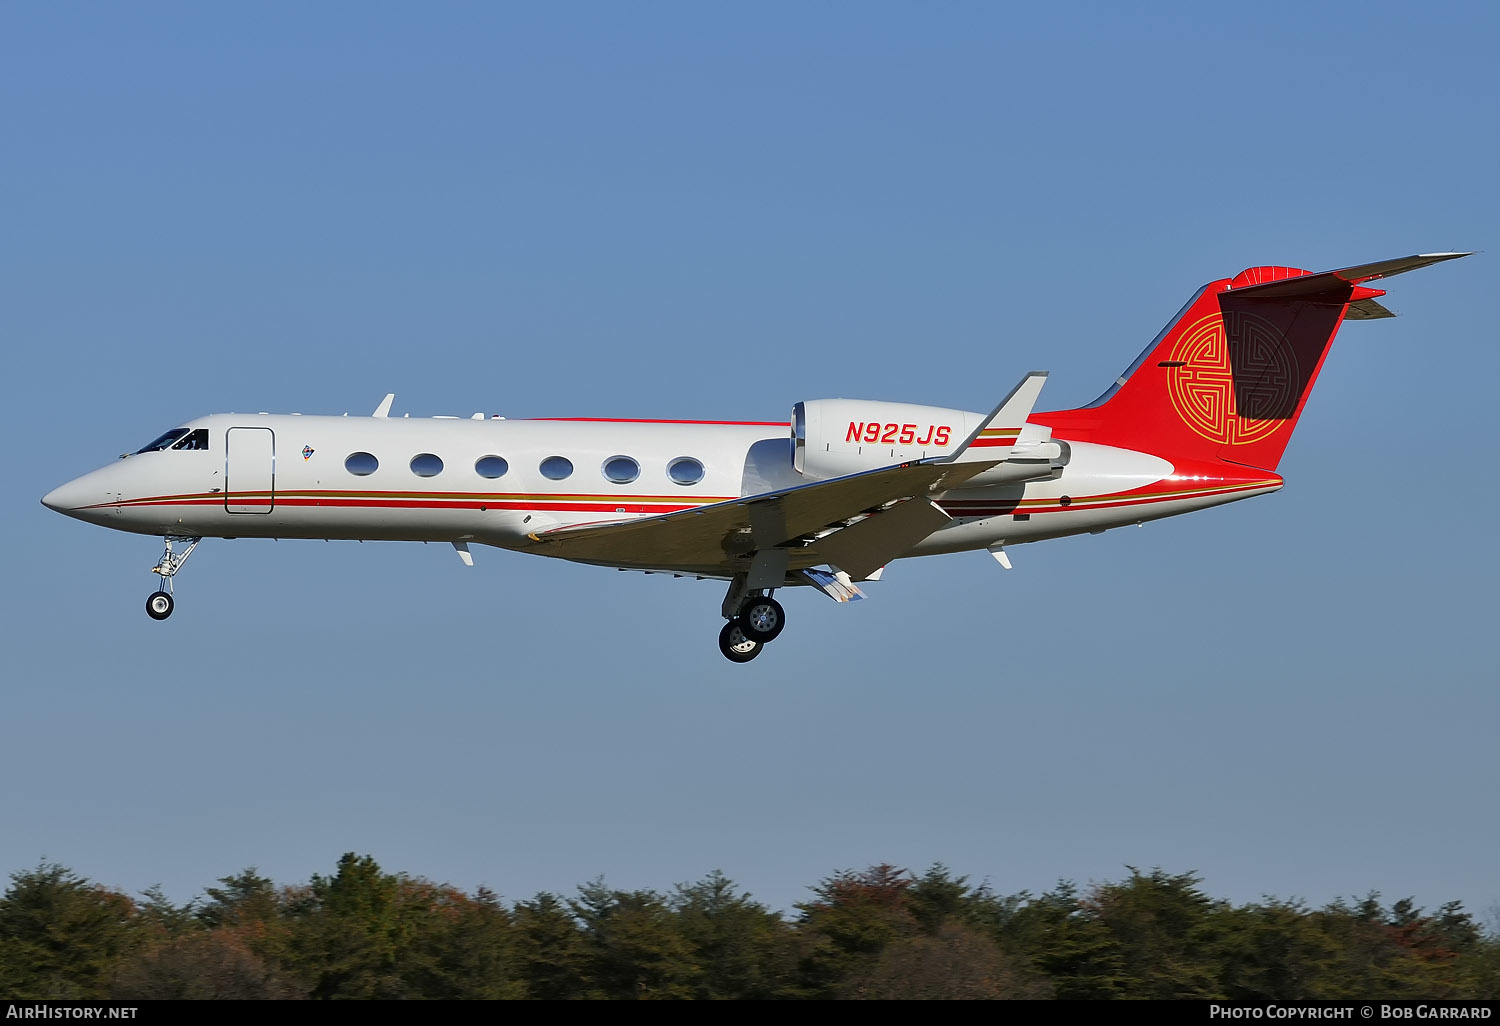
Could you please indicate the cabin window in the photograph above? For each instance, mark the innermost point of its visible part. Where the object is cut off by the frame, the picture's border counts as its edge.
(555, 468)
(425, 464)
(196, 441)
(621, 469)
(491, 466)
(164, 441)
(685, 470)
(361, 464)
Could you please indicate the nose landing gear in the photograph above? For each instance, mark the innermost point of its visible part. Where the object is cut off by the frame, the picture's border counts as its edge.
(159, 604)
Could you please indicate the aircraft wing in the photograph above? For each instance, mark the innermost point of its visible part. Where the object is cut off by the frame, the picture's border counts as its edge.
(717, 539)
(876, 515)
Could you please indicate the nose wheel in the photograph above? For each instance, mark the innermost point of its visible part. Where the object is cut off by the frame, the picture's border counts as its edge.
(160, 604)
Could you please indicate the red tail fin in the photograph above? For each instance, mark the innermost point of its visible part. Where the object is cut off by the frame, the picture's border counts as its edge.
(1228, 378)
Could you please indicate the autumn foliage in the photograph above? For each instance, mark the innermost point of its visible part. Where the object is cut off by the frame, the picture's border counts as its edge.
(880, 933)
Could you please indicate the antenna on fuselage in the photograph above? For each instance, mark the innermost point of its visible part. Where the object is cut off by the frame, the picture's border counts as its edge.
(384, 409)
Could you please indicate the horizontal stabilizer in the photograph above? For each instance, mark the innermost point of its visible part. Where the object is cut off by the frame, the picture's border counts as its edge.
(1366, 310)
(1389, 268)
(1301, 286)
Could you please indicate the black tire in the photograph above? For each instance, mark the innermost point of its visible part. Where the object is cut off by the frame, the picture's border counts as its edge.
(761, 619)
(736, 647)
(159, 605)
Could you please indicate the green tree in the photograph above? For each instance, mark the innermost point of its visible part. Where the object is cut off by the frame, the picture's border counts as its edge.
(61, 937)
(251, 909)
(1275, 951)
(453, 946)
(938, 897)
(1166, 931)
(245, 898)
(1400, 952)
(344, 939)
(550, 949)
(953, 952)
(1061, 938)
(744, 951)
(846, 928)
(1479, 963)
(633, 946)
(158, 915)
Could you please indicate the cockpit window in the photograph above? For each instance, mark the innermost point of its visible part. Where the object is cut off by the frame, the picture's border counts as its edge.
(164, 441)
(195, 440)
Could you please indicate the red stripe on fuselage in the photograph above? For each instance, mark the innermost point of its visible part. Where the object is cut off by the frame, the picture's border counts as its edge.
(534, 504)
(539, 504)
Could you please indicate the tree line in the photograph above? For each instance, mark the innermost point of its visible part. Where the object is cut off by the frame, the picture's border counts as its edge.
(879, 933)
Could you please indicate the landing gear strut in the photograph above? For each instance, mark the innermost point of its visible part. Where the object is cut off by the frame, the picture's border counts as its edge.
(159, 604)
(755, 619)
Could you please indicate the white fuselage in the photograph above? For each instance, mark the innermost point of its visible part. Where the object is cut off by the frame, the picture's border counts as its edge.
(288, 476)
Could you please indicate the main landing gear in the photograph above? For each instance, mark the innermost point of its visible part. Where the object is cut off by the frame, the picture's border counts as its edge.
(159, 605)
(756, 620)
(736, 647)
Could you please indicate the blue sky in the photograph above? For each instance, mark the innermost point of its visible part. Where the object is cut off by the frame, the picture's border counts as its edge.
(704, 211)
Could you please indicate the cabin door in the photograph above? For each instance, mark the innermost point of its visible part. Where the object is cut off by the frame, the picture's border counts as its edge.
(249, 470)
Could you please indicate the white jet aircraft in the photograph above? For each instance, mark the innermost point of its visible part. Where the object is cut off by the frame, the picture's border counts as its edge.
(1199, 419)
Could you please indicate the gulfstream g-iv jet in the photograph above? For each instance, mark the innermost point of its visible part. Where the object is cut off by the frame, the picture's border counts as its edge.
(1201, 418)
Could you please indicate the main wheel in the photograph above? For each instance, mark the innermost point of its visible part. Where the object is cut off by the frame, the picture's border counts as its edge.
(736, 647)
(159, 605)
(762, 619)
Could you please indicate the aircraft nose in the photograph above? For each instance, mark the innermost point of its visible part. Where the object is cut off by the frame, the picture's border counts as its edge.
(64, 498)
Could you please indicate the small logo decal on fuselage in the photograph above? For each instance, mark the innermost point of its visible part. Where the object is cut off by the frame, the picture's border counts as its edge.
(307, 452)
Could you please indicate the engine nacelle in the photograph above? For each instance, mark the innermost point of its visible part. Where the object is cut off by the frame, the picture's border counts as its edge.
(833, 437)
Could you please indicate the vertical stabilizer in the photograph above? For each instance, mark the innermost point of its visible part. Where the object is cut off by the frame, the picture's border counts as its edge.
(1229, 377)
